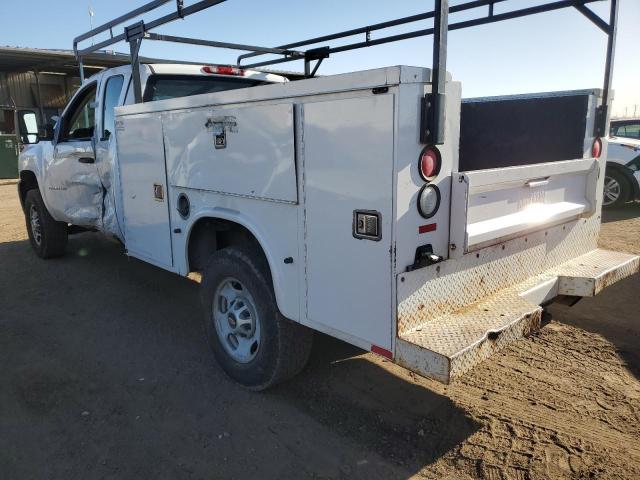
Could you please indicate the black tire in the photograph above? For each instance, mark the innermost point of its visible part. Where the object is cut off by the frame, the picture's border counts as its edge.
(283, 346)
(51, 239)
(613, 177)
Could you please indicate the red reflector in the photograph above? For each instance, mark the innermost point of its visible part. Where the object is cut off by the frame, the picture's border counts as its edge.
(596, 150)
(430, 227)
(222, 70)
(429, 163)
(381, 351)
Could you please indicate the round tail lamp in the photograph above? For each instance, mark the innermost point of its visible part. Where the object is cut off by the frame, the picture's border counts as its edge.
(596, 149)
(428, 200)
(430, 161)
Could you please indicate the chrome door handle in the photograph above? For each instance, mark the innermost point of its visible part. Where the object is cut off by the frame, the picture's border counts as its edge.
(539, 182)
(87, 160)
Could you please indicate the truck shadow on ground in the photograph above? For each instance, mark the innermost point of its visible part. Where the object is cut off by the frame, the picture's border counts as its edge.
(105, 360)
(609, 313)
(405, 423)
(626, 212)
(608, 316)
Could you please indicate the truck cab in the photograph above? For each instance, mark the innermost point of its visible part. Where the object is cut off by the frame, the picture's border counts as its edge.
(76, 161)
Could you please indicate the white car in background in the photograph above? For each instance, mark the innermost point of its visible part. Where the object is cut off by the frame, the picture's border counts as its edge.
(622, 179)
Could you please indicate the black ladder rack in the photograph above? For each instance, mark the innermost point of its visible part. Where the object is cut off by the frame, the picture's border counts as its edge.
(432, 128)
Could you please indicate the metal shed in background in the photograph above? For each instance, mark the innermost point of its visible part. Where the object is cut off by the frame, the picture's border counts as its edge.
(37, 83)
(43, 80)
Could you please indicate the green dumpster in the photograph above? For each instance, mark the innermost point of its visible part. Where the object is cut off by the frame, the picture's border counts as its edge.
(8, 156)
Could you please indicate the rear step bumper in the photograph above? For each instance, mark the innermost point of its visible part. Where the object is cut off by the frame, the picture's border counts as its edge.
(449, 345)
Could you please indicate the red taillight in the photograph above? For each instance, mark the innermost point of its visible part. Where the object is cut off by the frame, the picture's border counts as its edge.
(596, 149)
(429, 163)
(223, 70)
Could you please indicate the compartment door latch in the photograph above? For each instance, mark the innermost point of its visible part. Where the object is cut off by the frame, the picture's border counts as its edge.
(218, 126)
(367, 225)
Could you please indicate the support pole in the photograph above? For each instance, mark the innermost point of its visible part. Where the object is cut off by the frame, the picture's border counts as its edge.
(43, 120)
(134, 47)
(441, 27)
(134, 35)
(434, 106)
(81, 67)
(604, 110)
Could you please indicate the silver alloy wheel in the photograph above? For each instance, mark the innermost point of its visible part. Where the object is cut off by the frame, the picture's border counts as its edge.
(34, 218)
(236, 320)
(612, 190)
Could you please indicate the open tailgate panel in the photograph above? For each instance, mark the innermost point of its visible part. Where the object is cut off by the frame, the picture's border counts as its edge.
(491, 206)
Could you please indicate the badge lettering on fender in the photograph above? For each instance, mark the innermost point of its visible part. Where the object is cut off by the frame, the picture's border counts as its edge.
(218, 127)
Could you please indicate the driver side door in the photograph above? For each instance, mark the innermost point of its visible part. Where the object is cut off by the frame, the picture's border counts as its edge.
(74, 191)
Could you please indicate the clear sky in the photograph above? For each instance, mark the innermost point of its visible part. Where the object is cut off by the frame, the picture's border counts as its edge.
(552, 51)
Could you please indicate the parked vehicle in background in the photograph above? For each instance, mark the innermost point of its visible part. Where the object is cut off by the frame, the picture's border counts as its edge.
(625, 128)
(622, 179)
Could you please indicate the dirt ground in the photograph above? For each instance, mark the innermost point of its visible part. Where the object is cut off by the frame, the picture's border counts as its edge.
(105, 374)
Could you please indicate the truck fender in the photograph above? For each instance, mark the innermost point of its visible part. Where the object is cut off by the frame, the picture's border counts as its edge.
(31, 170)
(286, 299)
(628, 174)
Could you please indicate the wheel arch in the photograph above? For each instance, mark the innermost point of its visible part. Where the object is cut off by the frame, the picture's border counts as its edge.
(628, 175)
(28, 181)
(212, 231)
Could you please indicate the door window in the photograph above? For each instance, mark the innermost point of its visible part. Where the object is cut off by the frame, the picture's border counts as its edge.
(79, 121)
(111, 96)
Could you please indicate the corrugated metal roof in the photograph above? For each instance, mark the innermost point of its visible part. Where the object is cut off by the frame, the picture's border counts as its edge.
(16, 59)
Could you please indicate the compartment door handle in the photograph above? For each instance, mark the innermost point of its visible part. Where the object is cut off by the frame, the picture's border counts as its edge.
(538, 182)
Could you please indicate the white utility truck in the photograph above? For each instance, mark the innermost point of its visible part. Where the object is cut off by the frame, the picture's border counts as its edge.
(374, 206)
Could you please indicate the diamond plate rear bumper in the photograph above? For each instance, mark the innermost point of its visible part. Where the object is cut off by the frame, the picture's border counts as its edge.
(450, 344)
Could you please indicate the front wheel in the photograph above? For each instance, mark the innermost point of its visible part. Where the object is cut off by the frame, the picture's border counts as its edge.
(47, 236)
(251, 340)
(616, 189)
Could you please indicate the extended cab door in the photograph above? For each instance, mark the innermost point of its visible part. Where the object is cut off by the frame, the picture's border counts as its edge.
(111, 94)
(73, 188)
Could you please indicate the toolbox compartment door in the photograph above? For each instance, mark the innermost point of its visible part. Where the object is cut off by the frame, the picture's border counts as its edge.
(246, 151)
(144, 189)
(348, 165)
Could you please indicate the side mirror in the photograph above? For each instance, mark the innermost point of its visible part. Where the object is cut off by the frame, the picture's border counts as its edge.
(45, 132)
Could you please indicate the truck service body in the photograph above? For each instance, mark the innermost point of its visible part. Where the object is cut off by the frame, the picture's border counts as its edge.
(321, 203)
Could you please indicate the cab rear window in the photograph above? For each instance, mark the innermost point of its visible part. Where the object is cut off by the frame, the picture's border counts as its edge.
(627, 129)
(162, 87)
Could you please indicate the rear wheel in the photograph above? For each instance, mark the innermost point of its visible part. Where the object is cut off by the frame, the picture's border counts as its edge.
(251, 340)
(47, 236)
(616, 189)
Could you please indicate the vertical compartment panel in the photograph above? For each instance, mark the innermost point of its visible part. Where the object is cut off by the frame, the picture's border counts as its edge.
(348, 155)
(144, 180)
